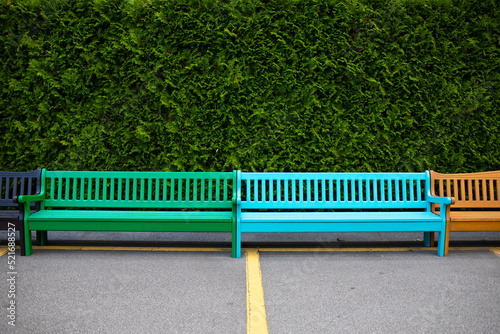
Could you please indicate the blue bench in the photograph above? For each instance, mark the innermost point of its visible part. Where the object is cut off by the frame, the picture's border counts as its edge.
(338, 202)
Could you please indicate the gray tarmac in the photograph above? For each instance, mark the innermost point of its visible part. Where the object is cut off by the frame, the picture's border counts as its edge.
(89, 291)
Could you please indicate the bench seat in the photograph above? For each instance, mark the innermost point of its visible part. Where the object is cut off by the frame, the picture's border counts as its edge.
(83, 220)
(338, 221)
(468, 216)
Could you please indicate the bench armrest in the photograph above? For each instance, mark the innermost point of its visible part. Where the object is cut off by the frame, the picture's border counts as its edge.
(440, 200)
(30, 198)
(25, 200)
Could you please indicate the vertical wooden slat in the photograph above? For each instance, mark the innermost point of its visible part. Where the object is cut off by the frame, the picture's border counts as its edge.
(127, 189)
(157, 189)
(389, 191)
(368, 190)
(22, 184)
(202, 190)
(165, 186)
(353, 189)
(186, 198)
(453, 192)
(150, 189)
(134, 189)
(301, 190)
(104, 188)
(342, 193)
(441, 188)
(172, 189)
(263, 190)
(498, 190)
(278, 191)
(462, 190)
(210, 190)
(469, 191)
(195, 190)
(404, 190)
(492, 194)
(75, 189)
(216, 190)
(271, 191)
(485, 190)
(286, 190)
(448, 188)
(30, 190)
(255, 184)
(315, 187)
(82, 189)
(141, 190)
(330, 190)
(419, 190)
(119, 194)
(59, 188)
(412, 190)
(13, 187)
(226, 190)
(323, 190)
(360, 189)
(179, 189)
(477, 185)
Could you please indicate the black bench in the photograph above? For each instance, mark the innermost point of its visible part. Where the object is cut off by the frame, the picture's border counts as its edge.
(13, 184)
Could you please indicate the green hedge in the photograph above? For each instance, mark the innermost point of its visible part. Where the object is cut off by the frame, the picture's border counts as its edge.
(291, 85)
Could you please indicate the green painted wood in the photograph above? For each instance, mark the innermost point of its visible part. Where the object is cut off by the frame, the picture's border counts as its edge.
(130, 216)
(149, 202)
(121, 226)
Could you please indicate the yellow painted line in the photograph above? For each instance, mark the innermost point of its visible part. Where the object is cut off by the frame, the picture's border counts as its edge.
(382, 249)
(256, 309)
(141, 249)
(393, 249)
(3, 251)
(496, 250)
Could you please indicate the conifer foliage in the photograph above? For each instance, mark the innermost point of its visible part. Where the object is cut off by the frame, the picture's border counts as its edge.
(257, 85)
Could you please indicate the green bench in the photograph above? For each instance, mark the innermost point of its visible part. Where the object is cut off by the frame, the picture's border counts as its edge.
(132, 201)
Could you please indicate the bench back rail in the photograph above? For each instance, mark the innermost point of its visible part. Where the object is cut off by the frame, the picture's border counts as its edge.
(470, 190)
(13, 184)
(168, 190)
(333, 191)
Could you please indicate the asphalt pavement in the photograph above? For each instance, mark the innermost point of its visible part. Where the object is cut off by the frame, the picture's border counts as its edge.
(89, 282)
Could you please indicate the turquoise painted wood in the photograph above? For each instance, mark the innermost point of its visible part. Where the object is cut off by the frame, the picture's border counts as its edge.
(133, 201)
(338, 202)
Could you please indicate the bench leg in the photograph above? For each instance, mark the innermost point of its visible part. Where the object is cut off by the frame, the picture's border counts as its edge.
(233, 243)
(427, 239)
(28, 250)
(41, 237)
(442, 245)
(21, 237)
(238, 244)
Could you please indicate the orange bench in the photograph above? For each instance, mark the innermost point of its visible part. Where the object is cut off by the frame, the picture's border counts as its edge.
(475, 201)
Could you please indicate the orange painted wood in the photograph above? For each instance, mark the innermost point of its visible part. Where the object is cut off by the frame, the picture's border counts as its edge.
(475, 200)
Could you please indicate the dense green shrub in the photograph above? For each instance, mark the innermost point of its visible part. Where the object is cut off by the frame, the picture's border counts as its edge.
(290, 85)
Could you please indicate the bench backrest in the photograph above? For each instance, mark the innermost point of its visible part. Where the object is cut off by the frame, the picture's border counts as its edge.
(97, 189)
(470, 190)
(333, 191)
(13, 184)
